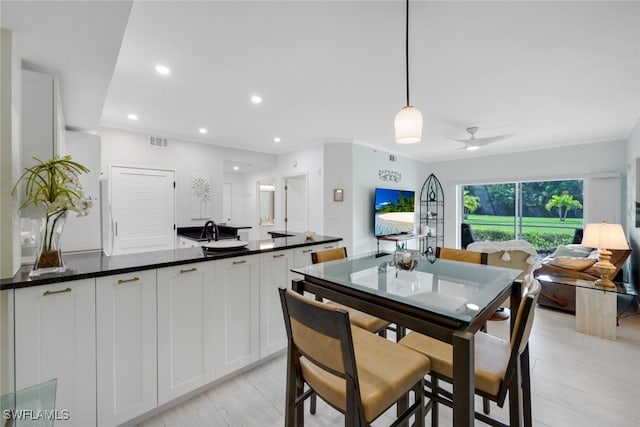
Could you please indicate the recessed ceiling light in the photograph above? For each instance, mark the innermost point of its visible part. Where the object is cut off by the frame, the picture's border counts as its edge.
(235, 168)
(202, 130)
(256, 99)
(132, 117)
(163, 70)
(276, 139)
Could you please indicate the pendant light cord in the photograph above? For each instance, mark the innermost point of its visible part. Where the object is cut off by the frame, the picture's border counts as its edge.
(407, 49)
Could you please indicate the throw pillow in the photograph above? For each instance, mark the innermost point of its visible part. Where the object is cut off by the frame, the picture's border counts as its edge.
(577, 251)
(572, 263)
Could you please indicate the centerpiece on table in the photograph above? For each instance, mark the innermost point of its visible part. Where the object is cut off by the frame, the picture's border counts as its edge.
(406, 259)
(53, 186)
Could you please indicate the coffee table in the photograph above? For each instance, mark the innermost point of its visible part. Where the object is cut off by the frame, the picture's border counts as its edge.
(596, 306)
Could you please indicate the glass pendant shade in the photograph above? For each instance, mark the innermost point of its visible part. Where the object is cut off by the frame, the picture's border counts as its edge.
(408, 125)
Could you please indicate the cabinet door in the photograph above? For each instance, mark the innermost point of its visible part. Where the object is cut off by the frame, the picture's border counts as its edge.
(186, 358)
(55, 338)
(275, 271)
(127, 346)
(237, 310)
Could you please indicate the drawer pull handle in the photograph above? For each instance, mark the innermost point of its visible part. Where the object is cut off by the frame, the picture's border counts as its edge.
(304, 251)
(239, 262)
(134, 279)
(278, 256)
(328, 247)
(188, 270)
(61, 291)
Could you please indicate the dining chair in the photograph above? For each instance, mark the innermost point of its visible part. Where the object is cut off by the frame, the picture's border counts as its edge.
(462, 255)
(475, 258)
(357, 317)
(358, 373)
(498, 363)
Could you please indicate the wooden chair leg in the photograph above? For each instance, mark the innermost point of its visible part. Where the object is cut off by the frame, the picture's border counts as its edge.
(300, 407)
(290, 398)
(526, 387)
(434, 400)
(313, 399)
(418, 392)
(401, 406)
(486, 408)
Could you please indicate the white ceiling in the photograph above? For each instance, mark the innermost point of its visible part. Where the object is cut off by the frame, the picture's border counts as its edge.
(552, 73)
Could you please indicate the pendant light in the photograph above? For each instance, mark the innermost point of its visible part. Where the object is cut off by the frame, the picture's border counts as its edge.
(408, 122)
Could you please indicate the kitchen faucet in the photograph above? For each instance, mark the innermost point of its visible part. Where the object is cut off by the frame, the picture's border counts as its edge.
(209, 235)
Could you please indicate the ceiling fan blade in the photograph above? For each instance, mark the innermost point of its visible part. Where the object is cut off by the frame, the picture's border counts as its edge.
(489, 140)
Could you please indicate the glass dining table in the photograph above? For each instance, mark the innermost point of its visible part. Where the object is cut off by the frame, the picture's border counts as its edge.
(447, 300)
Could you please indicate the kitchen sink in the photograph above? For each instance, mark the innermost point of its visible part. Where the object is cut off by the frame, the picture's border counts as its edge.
(275, 234)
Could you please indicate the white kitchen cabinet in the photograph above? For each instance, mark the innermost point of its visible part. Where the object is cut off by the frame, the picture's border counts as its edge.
(55, 337)
(127, 381)
(237, 295)
(186, 328)
(275, 271)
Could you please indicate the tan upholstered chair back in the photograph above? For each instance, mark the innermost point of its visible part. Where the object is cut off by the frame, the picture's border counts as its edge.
(328, 255)
(461, 255)
(524, 318)
(316, 331)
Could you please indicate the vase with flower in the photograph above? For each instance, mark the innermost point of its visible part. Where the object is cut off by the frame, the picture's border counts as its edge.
(53, 187)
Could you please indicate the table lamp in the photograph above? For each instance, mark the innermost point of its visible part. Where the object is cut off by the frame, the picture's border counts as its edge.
(604, 237)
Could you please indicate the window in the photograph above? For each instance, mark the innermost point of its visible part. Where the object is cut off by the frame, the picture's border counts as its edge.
(544, 213)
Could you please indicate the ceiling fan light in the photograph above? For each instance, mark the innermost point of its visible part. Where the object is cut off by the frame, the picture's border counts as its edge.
(472, 147)
(408, 125)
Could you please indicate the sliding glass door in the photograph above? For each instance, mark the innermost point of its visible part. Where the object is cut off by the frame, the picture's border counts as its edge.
(544, 213)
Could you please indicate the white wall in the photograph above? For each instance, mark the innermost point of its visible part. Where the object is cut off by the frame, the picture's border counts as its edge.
(578, 161)
(366, 164)
(184, 157)
(338, 173)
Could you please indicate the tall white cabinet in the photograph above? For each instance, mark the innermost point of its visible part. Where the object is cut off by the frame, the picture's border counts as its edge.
(275, 271)
(186, 328)
(237, 289)
(55, 337)
(127, 346)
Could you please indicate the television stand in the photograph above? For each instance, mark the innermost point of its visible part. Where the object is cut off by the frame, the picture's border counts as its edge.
(398, 238)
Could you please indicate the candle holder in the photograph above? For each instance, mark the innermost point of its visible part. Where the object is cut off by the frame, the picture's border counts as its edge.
(406, 259)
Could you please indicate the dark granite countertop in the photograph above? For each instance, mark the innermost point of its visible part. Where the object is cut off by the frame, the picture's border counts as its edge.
(97, 264)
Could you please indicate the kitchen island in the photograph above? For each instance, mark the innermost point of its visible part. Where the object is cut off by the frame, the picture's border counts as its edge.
(97, 264)
(128, 336)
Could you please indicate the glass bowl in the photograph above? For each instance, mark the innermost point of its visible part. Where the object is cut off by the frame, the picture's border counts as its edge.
(406, 259)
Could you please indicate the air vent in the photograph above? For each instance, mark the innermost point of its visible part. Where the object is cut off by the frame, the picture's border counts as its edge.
(392, 157)
(158, 141)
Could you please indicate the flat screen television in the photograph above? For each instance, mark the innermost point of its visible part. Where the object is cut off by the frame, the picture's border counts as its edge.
(394, 211)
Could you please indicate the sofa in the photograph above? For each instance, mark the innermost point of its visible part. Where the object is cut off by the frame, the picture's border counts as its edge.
(572, 262)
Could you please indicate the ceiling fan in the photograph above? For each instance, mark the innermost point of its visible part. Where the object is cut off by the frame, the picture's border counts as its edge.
(473, 143)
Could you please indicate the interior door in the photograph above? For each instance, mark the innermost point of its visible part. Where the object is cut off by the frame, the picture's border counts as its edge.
(143, 209)
(295, 202)
(226, 202)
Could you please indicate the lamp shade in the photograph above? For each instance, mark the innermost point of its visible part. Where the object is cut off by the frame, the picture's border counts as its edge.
(408, 124)
(605, 236)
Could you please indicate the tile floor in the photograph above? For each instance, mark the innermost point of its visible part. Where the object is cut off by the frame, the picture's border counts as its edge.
(577, 381)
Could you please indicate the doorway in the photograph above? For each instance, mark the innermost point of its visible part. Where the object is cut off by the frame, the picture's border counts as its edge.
(295, 204)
